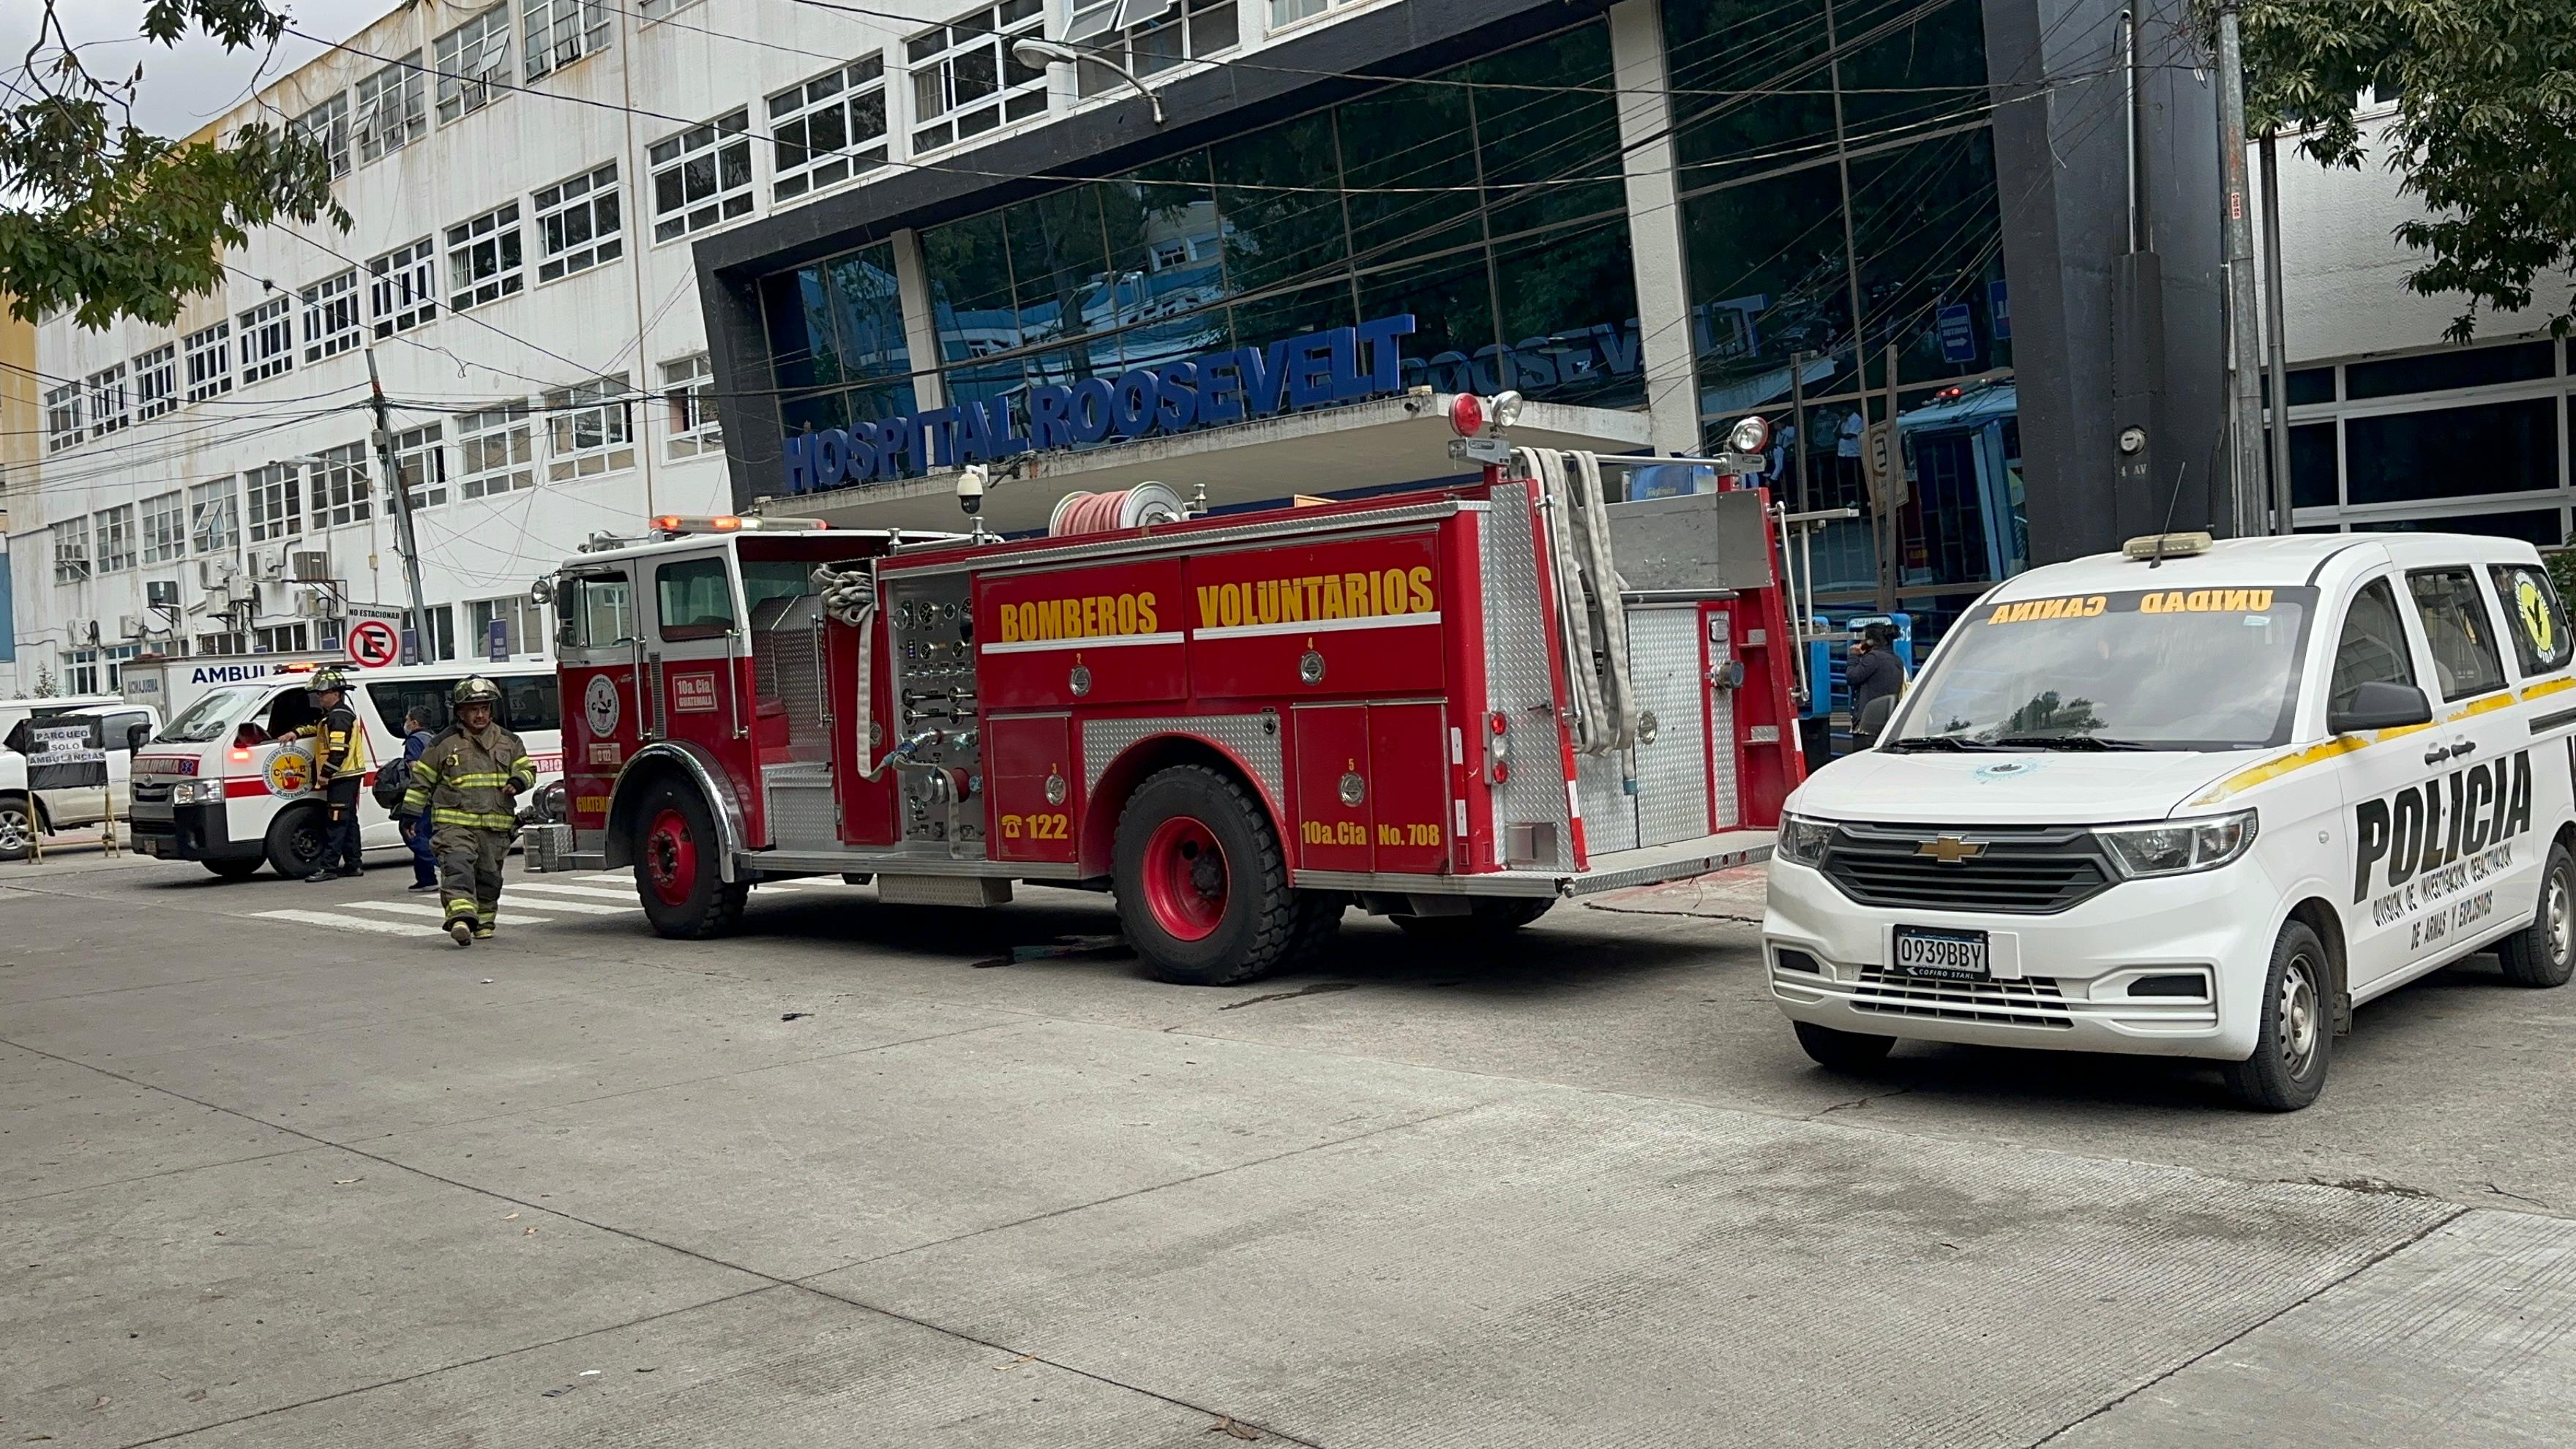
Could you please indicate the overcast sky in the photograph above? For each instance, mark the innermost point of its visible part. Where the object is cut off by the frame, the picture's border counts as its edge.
(190, 84)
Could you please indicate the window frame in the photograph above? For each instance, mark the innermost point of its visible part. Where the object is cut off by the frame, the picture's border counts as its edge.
(611, 402)
(553, 210)
(931, 66)
(321, 303)
(156, 381)
(112, 539)
(266, 334)
(691, 426)
(693, 633)
(802, 108)
(2476, 601)
(669, 159)
(70, 552)
(402, 287)
(401, 84)
(206, 358)
(274, 495)
(224, 534)
(2384, 589)
(477, 433)
(330, 118)
(110, 411)
(486, 258)
(411, 446)
(64, 406)
(339, 487)
(1126, 45)
(466, 83)
(550, 26)
(164, 527)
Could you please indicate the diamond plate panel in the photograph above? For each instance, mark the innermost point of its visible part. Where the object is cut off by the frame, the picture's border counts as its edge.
(1672, 773)
(1721, 764)
(1609, 811)
(1254, 739)
(1517, 639)
(804, 813)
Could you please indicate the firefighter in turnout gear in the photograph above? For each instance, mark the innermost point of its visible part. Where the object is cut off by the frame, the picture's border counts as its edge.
(468, 782)
(339, 769)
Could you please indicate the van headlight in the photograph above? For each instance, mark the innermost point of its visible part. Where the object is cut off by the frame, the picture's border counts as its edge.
(1803, 840)
(192, 792)
(2179, 847)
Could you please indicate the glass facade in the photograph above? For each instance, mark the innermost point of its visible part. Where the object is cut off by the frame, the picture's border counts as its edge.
(837, 341)
(1839, 208)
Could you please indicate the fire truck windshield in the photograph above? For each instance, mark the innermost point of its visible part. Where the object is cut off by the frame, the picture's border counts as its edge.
(2204, 669)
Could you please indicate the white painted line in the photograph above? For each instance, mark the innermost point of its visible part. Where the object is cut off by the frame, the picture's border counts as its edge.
(346, 923)
(415, 908)
(1316, 626)
(598, 892)
(812, 883)
(569, 908)
(1095, 641)
(624, 875)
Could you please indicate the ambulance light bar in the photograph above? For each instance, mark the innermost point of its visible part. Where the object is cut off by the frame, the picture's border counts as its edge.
(674, 525)
(2154, 546)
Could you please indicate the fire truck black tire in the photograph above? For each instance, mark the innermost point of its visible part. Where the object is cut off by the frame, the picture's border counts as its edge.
(2544, 952)
(295, 839)
(239, 867)
(1486, 920)
(1842, 1051)
(677, 878)
(17, 827)
(1251, 920)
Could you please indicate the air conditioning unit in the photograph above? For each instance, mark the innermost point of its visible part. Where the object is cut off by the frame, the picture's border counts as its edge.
(309, 605)
(268, 563)
(129, 626)
(240, 590)
(313, 566)
(85, 633)
(211, 573)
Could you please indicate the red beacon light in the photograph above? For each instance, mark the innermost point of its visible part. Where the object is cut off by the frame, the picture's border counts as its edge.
(1467, 415)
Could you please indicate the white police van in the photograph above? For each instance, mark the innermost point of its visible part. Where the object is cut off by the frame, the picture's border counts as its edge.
(2194, 800)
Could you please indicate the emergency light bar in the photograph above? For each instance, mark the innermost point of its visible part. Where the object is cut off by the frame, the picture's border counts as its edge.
(676, 524)
(2156, 546)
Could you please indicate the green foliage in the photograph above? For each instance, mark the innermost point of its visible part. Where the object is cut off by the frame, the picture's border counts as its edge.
(2562, 570)
(2484, 137)
(110, 220)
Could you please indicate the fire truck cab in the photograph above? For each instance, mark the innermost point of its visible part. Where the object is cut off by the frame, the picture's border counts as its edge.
(1452, 706)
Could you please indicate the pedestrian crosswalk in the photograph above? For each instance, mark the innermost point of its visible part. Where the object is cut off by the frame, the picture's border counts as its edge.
(542, 901)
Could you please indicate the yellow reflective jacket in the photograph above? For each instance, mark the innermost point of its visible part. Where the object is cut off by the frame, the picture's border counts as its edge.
(469, 779)
(342, 747)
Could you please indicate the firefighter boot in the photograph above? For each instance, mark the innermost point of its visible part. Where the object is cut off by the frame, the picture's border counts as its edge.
(461, 924)
(486, 921)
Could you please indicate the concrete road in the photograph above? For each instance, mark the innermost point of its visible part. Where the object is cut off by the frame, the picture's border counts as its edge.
(278, 1166)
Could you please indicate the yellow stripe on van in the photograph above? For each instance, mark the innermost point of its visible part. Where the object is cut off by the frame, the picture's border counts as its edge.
(2549, 686)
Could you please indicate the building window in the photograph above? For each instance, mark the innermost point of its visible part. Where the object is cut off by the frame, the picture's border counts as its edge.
(327, 126)
(438, 641)
(221, 645)
(590, 429)
(421, 463)
(331, 316)
(689, 407)
(267, 339)
(402, 287)
(495, 451)
(71, 550)
(1182, 33)
(523, 627)
(340, 486)
(483, 258)
(165, 527)
(209, 355)
(161, 596)
(965, 81)
(474, 63)
(156, 382)
(563, 31)
(656, 9)
(276, 501)
(115, 538)
(107, 405)
(212, 522)
(393, 110)
(1288, 12)
(829, 129)
(578, 224)
(80, 671)
(62, 417)
(280, 639)
(702, 176)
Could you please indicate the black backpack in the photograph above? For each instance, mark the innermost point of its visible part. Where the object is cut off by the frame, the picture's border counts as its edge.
(393, 781)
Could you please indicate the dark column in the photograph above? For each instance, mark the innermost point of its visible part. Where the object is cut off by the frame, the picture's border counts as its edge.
(2061, 151)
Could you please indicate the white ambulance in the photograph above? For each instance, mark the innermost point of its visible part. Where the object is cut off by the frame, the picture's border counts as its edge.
(2194, 800)
(226, 783)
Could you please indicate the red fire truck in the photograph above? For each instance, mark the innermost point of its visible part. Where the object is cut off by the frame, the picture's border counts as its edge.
(1452, 706)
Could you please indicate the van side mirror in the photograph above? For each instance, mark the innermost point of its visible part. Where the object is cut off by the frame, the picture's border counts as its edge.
(2378, 704)
(137, 736)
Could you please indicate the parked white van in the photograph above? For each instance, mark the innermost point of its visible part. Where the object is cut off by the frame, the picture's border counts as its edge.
(225, 783)
(2195, 800)
(25, 812)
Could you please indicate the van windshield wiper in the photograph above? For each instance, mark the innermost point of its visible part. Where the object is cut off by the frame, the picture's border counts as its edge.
(2068, 742)
(1934, 742)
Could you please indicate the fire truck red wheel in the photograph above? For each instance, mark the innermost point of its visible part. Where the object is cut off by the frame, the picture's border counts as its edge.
(1202, 884)
(677, 878)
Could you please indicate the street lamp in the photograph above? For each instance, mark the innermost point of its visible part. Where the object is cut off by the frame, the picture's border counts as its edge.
(1029, 50)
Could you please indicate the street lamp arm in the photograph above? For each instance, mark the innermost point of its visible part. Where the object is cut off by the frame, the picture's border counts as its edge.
(1029, 50)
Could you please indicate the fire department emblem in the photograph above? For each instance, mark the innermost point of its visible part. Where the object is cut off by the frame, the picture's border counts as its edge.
(290, 772)
(599, 705)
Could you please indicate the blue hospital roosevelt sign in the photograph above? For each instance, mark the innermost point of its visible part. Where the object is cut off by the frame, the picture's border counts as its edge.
(1338, 365)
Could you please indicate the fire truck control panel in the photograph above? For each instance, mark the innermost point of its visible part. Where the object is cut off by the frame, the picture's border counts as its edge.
(1452, 706)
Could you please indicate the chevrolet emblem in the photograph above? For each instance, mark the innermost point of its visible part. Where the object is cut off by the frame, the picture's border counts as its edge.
(1950, 849)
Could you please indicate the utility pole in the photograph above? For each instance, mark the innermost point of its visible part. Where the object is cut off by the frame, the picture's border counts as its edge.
(2276, 332)
(398, 499)
(2245, 387)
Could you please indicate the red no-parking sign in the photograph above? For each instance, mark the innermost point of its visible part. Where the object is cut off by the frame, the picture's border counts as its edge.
(373, 643)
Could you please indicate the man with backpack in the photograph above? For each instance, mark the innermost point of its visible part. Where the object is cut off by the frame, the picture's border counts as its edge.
(392, 783)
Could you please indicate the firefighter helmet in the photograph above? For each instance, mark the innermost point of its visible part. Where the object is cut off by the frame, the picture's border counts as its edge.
(326, 679)
(478, 690)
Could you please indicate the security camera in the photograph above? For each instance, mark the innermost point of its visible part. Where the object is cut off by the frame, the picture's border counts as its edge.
(970, 489)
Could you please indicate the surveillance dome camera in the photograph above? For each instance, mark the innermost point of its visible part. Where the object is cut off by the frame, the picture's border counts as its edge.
(970, 490)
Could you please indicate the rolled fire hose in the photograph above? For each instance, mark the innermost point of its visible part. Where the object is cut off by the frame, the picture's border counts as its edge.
(850, 597)
(1590, 620)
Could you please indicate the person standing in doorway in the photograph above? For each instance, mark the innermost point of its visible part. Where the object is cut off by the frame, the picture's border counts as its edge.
(416, 831)
(339, 769)
(467, 783)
